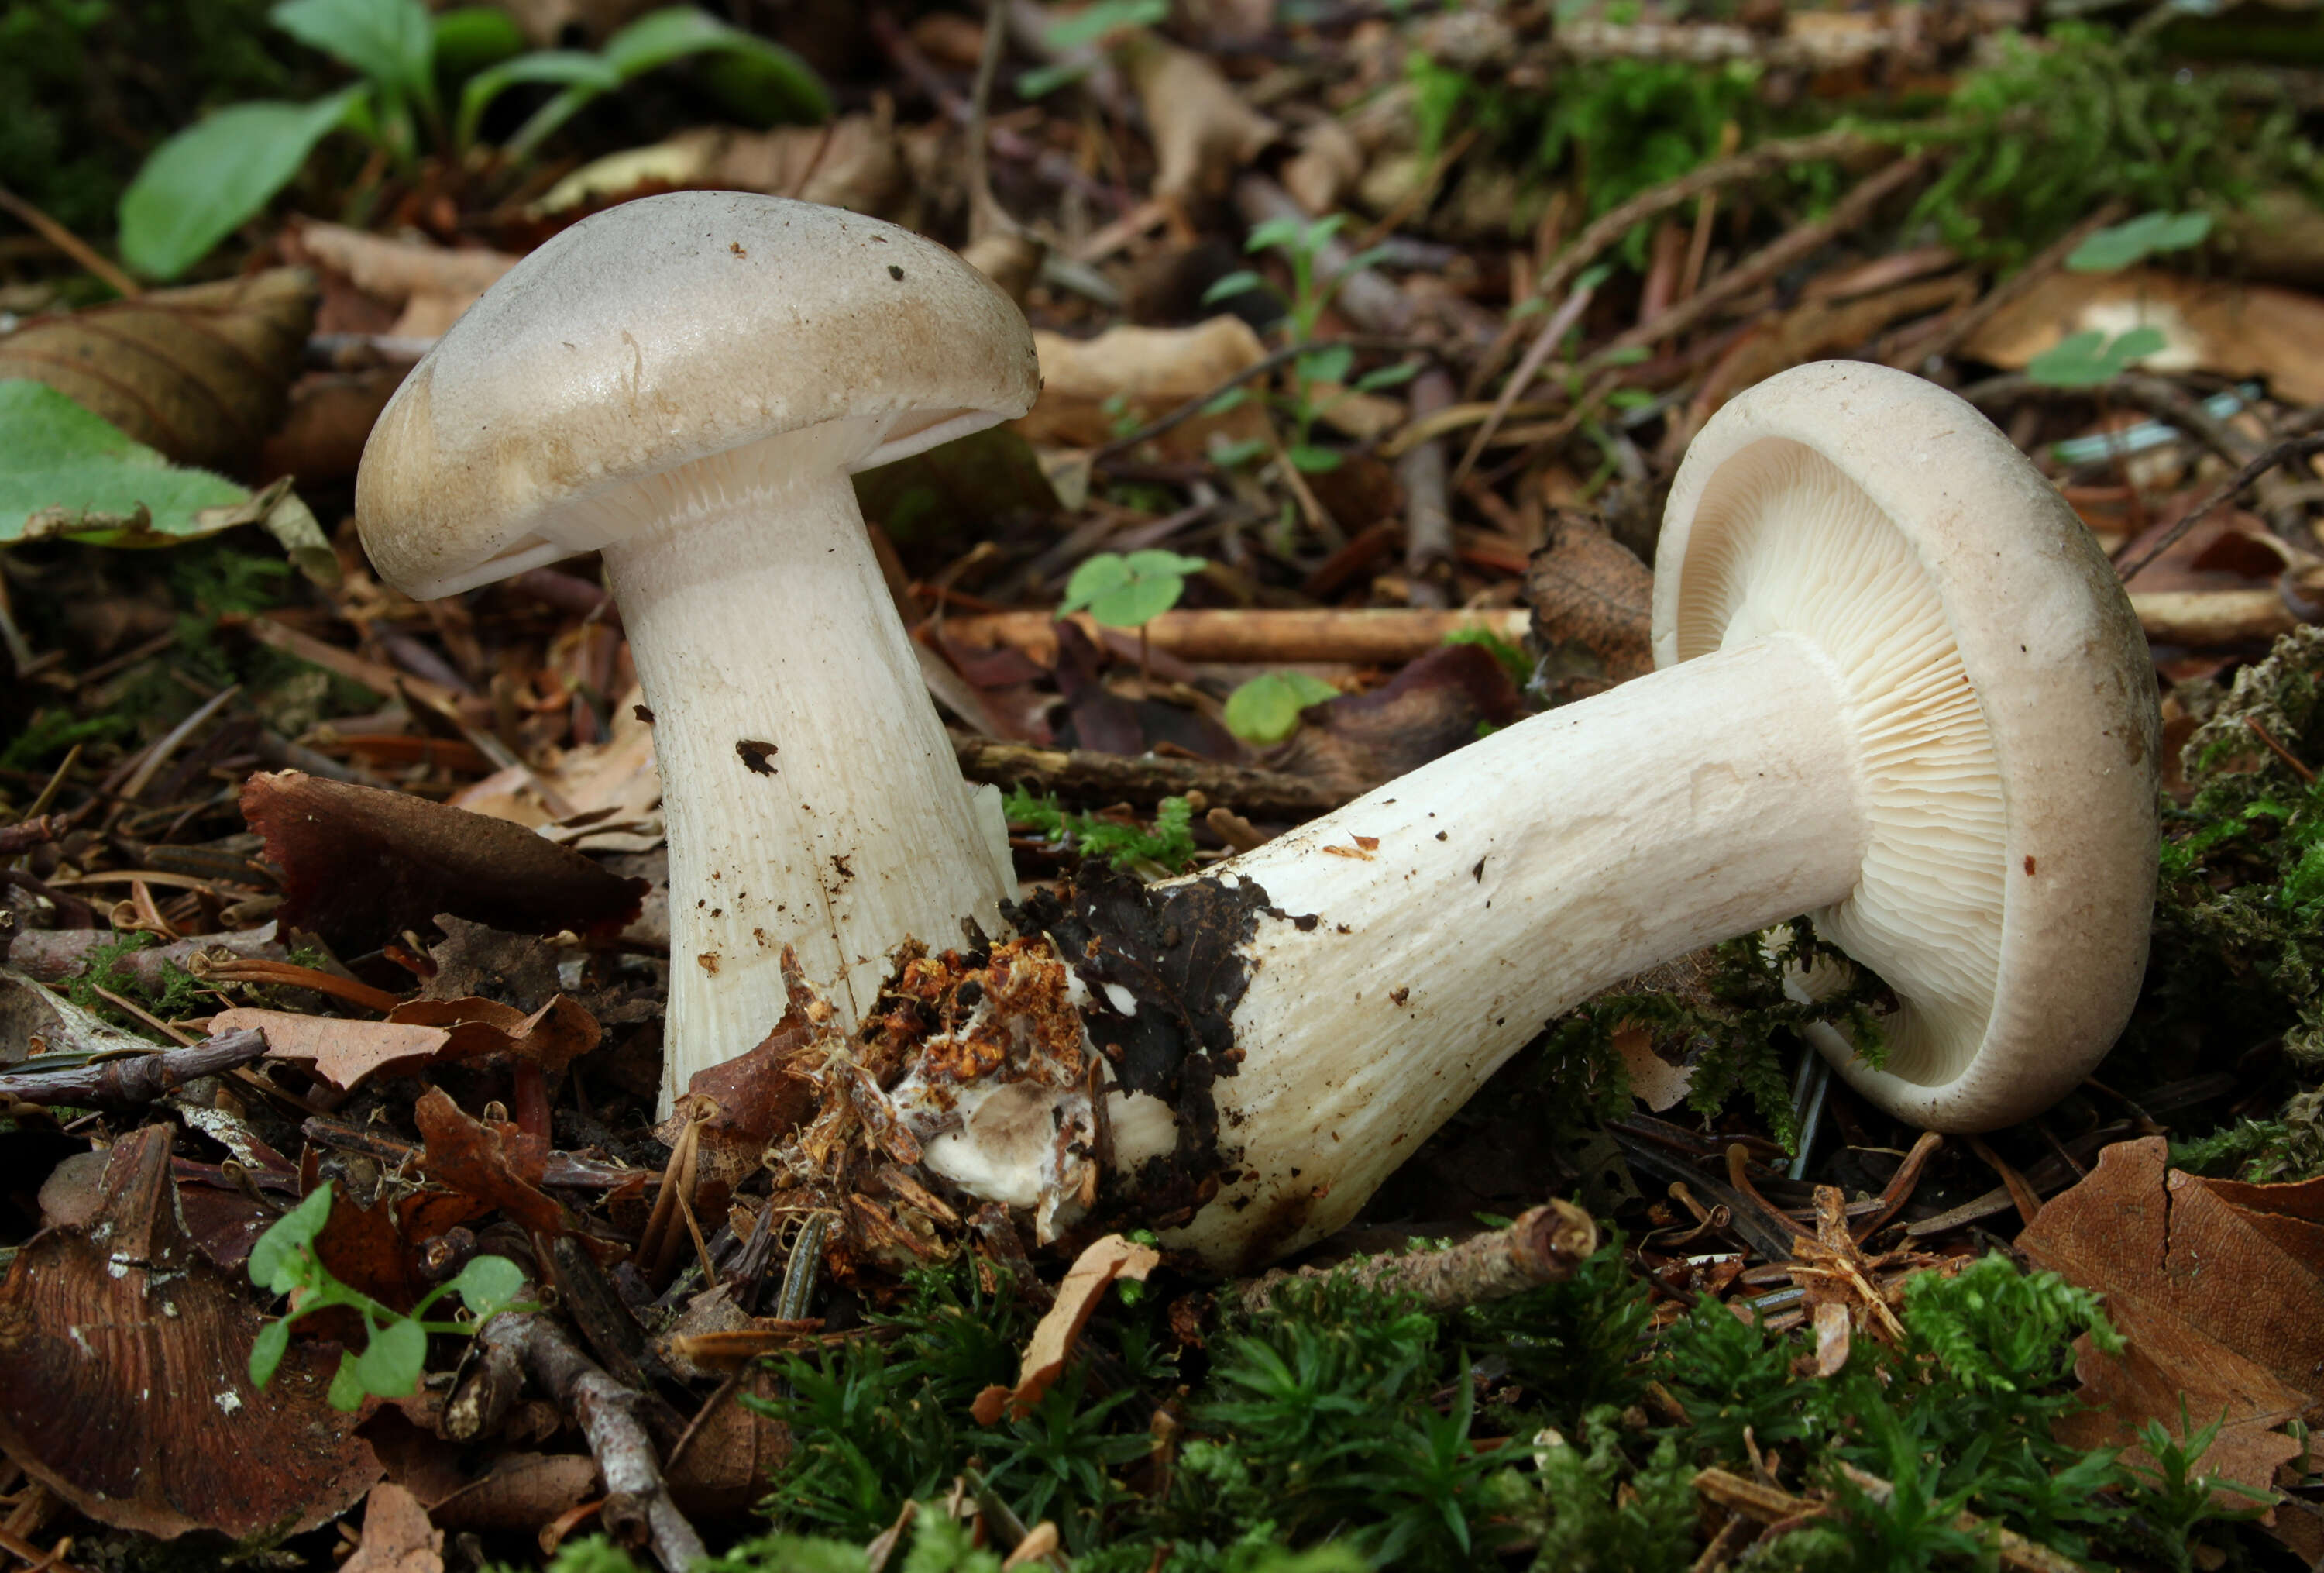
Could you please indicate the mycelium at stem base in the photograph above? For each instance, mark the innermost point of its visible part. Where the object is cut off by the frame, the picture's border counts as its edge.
(810, 794)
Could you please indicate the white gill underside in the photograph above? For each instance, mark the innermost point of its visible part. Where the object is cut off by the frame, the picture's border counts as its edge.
(1926, 915)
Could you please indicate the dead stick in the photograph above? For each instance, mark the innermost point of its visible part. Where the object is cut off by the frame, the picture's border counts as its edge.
(2283, 452)
(2163, 400)
(1428, 543)
(1274, 359)
(71, 244)
(1391, 635)
(137, 1080)
(1775, 258)
(638, 1510)
(1117, 778)
(1768, 158)
(25, 834)
(1771, 1504)
(1958, 330)
(1546, 1246)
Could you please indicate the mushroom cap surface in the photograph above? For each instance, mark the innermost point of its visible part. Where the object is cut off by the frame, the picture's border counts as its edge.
(665, 331)
(2005, 706)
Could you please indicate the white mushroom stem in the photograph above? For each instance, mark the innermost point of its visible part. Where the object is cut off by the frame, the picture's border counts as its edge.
(810, 793)
(1508, 883)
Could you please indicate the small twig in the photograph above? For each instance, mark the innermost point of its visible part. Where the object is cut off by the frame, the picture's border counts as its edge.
(67, 242)
(1901, 1185)
(1957, 330)
(1536, 356)
(1428, 541)
(2282, 453)
(1768, 158)
(25, 834)
(1274, 360)
(2279, 751)
(2165, 401)
(2022, 1195)
(136, 1080)
(1547, 1244)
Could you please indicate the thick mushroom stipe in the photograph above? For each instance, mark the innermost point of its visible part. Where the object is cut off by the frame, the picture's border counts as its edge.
(1902, 693)
(685, 382)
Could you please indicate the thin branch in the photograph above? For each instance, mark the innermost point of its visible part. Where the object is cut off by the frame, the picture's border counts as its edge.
(136, 1079)
(2282, 453)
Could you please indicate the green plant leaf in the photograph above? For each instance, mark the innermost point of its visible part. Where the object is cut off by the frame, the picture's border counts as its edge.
(391, 1364)
(2127, 244)
(1227, 403)
(1327, 365)
(391, 41)
(266, 1351)
(1093, 22)
(1388, 377)
(346, 1395)
(661, 38)
(1310, 460)
(1266, 709)
(1043, 80)
(1124, 592)
(278, 1258)
(563, 66)
(1240, 282)
(489, 1285)
(203, 183)
(1287, 232)
(469, 38)
(2086, 360)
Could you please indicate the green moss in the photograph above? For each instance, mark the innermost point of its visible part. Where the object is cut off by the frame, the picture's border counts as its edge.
(1169, 847)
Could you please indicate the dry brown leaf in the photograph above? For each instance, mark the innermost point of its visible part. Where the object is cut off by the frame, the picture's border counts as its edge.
(1592, 602)
(397, 1537)
(124, 1379)
(361, 864)
(1325, 169)
(200, 373)
(1152, 371)
(1358, 741)
(855, 162)
(2230, 328)
(1204, 133)
(343, 1053)
(1052, 1343)
(610, 791)
(2217, 1287)
(433, 285)
(492, 1161)
(1654, 1081)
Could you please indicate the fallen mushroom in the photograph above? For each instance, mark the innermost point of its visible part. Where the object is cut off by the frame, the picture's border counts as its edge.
(686, 382)
(1901, 692)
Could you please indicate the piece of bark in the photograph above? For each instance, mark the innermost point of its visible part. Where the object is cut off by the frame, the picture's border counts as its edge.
(128, 1083)
(1547, 1244)
(360, 865)
(124, 1380)
(55, 955)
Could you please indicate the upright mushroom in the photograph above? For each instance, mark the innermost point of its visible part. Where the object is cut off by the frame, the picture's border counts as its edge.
(1901, 692)
(686, 382)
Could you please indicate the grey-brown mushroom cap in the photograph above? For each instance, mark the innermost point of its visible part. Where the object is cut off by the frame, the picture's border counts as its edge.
(2052, 697)
(660, 332)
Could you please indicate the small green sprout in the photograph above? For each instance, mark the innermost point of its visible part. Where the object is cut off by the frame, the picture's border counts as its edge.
(1266, 709)
(283, 1262)
(2127, 244)
(1128, 592)
(2088, 359)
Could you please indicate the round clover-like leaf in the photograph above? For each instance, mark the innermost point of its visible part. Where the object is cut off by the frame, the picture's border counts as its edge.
(1266, 709)
(392, 1364)
(278, 1258)
(489, 1285)
(1124, 592)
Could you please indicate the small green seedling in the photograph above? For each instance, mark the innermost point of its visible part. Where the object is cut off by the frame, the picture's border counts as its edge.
(283, 1262)
(2127, 244)
(1069, 33)
(1266, 709)
(1128, 592)
(205, 183)
(1321, 366)
(2088, 359)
